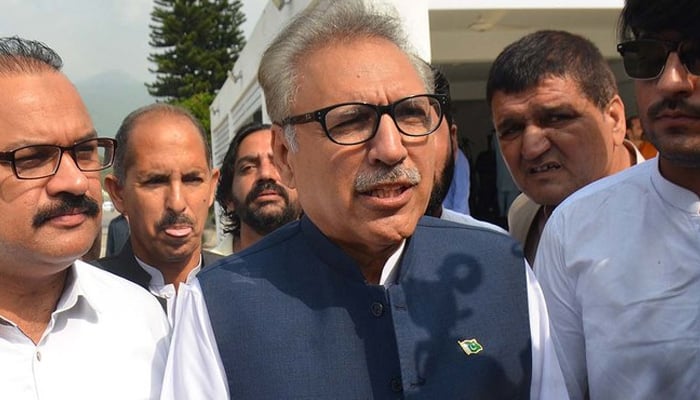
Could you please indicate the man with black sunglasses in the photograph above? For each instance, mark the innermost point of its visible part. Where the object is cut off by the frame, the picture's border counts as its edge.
(620, 259)
(67, 329)
(363, 298)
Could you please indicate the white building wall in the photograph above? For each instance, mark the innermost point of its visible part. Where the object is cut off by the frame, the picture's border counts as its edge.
(241, 97)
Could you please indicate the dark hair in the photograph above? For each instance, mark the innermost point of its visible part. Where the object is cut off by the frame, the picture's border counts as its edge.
(128, 124)
(544, 54)
(442, 86)
(24, 55)
(629, 120)
(646, 16)
(230, 221)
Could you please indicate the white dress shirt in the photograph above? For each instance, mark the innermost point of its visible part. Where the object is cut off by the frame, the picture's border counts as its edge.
(454, 216)
(107, 339)
(159, 288)
(619, 263)
(195, 369)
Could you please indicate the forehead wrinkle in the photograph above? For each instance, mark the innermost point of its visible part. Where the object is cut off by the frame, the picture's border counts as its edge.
(156, 171)
(320, 89)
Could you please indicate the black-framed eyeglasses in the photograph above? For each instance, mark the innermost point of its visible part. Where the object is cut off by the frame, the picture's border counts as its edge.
(646, 58)
(355, 123)
(42, 160)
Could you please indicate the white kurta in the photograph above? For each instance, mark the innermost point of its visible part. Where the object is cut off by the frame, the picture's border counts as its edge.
(619, 263)
(195, 369)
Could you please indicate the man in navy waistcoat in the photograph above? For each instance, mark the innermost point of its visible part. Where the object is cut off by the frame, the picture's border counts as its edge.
(363, 298)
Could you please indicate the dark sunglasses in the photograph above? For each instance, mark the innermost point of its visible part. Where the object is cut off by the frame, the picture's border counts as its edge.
(646, 58)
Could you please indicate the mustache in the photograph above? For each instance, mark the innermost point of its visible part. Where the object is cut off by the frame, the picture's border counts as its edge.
(66, 203)
(171, 218)
(365, 181)
(681, 105)
(262, 186)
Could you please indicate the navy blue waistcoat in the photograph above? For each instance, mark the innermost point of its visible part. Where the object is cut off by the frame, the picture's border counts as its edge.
(294, 318)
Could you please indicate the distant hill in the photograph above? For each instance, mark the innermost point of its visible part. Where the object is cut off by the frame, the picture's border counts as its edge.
(110, 96)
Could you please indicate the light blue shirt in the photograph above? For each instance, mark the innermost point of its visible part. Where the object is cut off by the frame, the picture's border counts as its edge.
(457, 197)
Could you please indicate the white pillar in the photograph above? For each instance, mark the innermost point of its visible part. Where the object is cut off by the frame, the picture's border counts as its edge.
(416, 23)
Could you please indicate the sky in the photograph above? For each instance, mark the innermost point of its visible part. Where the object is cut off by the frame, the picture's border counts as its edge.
(94, 36)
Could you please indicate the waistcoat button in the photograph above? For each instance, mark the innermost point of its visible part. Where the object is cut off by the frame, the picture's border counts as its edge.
(396, 385)
(377, 309)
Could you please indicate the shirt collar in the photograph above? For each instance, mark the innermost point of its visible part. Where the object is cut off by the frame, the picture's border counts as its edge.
(390, 270)
(673, 194)
(77, 298)
(157, 279)
(638, 157)
(75, 291)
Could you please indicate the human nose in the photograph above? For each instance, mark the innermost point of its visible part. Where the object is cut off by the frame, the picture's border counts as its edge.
(68, 177)
(675, 80)
(535, 142)
(387, 145)
(175, 200)
(267, 170)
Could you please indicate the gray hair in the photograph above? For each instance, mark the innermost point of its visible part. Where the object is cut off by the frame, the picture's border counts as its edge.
(321, 24)
(18, 55)
(129, 123)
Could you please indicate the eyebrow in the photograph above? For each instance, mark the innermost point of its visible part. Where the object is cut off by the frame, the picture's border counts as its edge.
(150, 174)
(538, 112)
(156, 173)
(247, 158)
(24, 142)
(195, 173)
(90, 135)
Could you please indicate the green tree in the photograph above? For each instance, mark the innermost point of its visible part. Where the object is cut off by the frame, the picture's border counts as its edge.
(196, 43)
(198, 105)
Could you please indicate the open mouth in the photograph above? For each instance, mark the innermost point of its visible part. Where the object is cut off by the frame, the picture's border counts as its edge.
(544, 168)
(386, 192)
